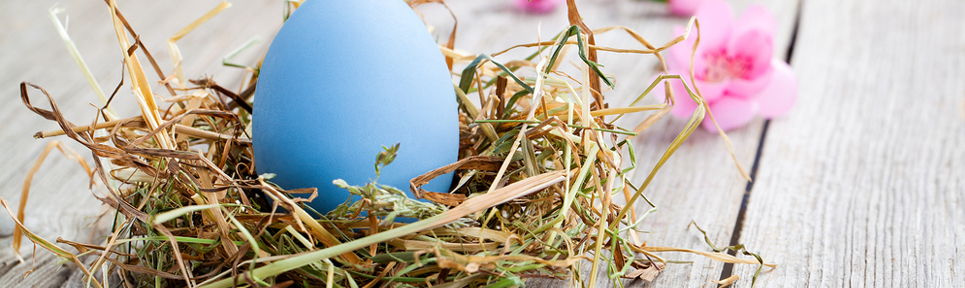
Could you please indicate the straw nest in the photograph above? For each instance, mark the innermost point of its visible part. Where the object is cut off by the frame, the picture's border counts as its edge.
(539, 173)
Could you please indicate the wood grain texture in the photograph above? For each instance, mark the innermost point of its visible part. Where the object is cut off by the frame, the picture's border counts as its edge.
(43, 271)
(862, 184)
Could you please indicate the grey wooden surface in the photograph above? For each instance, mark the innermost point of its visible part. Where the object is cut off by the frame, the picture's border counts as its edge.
(860, 185)
(863, 184)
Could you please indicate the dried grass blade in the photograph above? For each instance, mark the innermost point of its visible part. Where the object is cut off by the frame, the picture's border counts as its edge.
(727, 282)
(601, 228)
(626, 110)
(25, 191)
(172, 214)
(652, 119)
(79, 60)
(730, 147)
(575, 19)
(49, 246)
(173, 47)
(722, 257)
(302, 217)
(84, 128)
(475, 204)
(215, 214)
(695, 120)
(139, 83)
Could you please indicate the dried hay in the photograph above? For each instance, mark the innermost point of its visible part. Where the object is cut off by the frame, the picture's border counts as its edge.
(538, 174)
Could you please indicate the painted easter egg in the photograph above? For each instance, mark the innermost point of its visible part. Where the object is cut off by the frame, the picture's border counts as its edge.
(341, 80)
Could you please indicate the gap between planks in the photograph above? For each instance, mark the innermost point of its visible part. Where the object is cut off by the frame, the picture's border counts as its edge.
(728, 268)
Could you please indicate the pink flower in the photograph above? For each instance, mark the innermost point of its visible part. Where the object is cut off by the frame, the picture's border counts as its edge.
(684, 7)
(538, 6)
(732, 67)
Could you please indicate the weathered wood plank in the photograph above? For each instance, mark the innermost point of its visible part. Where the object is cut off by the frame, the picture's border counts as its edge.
(43, 271)
(862, 184)
(700, 182)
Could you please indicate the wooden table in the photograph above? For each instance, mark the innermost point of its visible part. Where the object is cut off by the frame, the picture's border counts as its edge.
(861, 184)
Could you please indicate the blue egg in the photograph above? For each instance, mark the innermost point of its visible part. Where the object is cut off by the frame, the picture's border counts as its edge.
(341, 80)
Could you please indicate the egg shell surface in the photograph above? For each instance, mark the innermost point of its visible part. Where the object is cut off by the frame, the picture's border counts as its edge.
(341, 80)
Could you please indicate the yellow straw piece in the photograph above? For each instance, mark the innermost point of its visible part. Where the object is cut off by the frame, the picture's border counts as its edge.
(176, 53)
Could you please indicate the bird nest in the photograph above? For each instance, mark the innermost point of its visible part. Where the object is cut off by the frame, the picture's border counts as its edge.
(540, 177)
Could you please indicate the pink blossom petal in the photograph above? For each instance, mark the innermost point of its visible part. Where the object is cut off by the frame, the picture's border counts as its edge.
(748, 88)
(711, 90)
(755, 17)
(777, 98)
(716, 21)
(679, 54)
(730, 113)
(538, 6)
(753, 50)
(752, 39)
(733, 66)
(684, 7)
